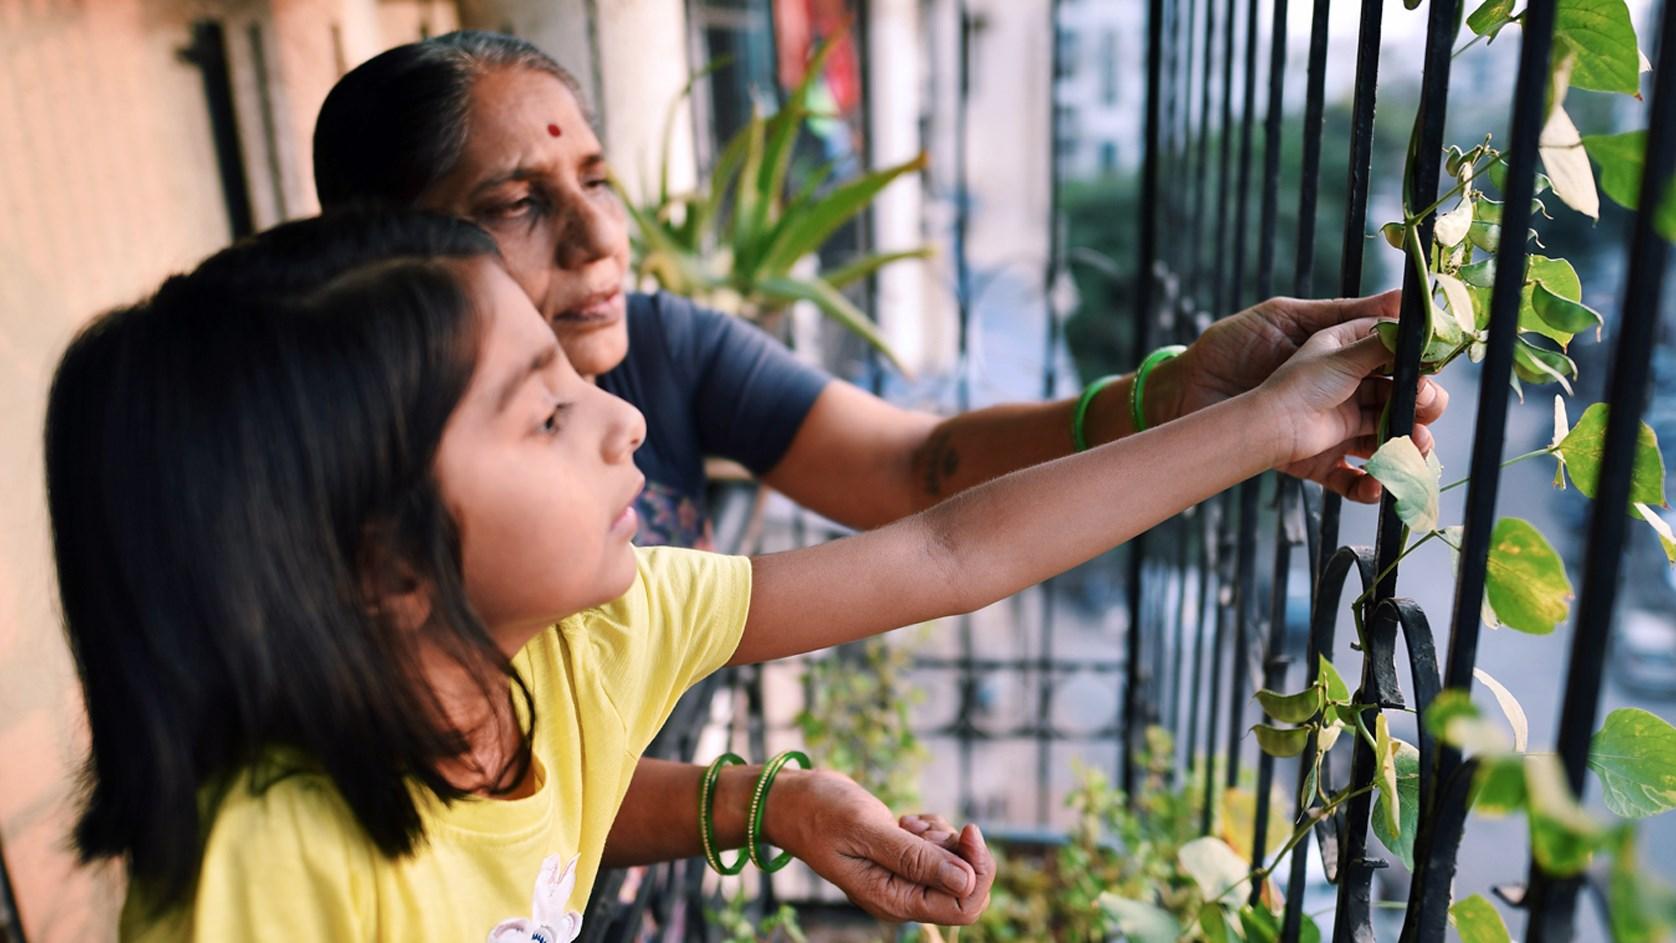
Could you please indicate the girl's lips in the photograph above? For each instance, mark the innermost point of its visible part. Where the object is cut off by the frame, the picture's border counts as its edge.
(627, 522)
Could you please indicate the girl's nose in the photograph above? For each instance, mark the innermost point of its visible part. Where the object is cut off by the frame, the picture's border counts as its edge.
(628, 431)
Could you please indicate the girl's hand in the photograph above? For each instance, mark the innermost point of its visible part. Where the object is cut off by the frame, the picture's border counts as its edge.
(1326, 401)
(920, 869)
(1237, 354)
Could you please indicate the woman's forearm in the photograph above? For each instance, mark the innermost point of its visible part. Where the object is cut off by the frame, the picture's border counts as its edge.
(997, 538)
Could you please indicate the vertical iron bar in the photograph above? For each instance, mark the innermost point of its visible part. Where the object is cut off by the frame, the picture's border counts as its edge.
(1354, 920)
(1050, 381)
(1274, 656)
(1201, 159)
(1553, 900)
(1245, 590)
(1133, 722)
(1219, 297)
(1291, 926)
(1435, 849)
(963, 384)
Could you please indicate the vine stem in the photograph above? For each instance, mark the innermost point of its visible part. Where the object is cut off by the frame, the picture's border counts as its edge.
(1545, 450)
(1316, 817)
(1413, 219)
(1354, 603)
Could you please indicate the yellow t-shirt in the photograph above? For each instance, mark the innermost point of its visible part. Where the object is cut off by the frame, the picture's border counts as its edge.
(289, 863)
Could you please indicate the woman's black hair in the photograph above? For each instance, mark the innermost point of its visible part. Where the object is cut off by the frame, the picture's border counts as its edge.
(235, 469)
(395, 125)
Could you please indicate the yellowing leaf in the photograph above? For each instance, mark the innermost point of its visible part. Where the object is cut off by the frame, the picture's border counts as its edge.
(1584, 449)
(1222, 875)
(1459, 298)
(1567, 163)
(1634, 754)
(1451, 227)
(1406, 810)
(1387, 781)
(1478, 921)
(1525, 582)
(1412, 481)
(1661, 528)
(1510, 707)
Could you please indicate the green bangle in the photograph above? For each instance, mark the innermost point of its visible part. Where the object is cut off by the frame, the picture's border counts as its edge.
(1078, 438)
(706, 815)
(1153, 359)
(759, 802)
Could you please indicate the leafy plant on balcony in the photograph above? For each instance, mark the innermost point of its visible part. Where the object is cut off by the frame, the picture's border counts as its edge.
(857, 719)
(739, 243)
(1526, 587)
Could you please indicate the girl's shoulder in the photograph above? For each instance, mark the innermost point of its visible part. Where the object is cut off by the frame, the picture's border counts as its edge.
(278, 802)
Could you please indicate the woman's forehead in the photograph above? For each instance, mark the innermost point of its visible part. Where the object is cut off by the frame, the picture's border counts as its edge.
(523, 116)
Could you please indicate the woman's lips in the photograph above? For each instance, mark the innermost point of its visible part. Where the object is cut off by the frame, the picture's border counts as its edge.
(601, 306)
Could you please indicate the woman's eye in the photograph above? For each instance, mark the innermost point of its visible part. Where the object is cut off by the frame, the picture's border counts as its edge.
(512, 210)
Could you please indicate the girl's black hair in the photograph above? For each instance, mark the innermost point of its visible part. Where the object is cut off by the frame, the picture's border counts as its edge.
(395, 125)
(236, 469)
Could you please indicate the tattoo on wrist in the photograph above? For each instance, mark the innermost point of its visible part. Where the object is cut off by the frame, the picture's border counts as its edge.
(938, 461)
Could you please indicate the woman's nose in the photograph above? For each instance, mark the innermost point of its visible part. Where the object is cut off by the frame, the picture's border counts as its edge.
(586, 233)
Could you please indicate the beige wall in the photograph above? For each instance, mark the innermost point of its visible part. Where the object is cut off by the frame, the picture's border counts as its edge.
(108, 182)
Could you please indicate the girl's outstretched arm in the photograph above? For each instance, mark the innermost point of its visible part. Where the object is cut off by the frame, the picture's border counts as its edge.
(996, 539)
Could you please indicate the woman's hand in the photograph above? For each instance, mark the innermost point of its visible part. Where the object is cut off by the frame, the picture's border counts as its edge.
(1326, 401)
(918, 869)
(1238, 353)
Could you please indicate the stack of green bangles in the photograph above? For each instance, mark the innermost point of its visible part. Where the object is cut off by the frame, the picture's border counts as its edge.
(755, 848)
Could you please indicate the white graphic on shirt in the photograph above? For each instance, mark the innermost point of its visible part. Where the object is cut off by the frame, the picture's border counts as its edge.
(552, 922)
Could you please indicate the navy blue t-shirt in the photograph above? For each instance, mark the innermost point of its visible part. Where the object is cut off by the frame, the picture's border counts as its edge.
(708, 384)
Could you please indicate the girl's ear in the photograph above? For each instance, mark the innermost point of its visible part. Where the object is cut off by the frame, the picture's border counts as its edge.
(392, 590)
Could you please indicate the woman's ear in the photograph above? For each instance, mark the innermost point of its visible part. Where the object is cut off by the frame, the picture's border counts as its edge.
(392, 590)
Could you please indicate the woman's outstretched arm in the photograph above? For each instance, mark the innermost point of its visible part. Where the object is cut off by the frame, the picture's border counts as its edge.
(865, 462)
(993, 540)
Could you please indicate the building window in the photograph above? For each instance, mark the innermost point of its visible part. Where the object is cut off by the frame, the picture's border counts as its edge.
(1108, 67)
(1108, 158)
(1065, 52)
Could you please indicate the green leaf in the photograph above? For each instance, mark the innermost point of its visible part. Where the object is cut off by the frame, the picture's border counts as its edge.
(1534, 364)
(1142, 923)
(1599, 34)
(1510, 708)
(1281, 741)
(1634, 754)
(1559, 278)
(1486, 236)
(1661, 528)
(1563, 314)
(1525, 582)
(1299, 708)
(1411, 479)
(1561, 149)
(1638, 908)
(786, 289)
(1337, 691)
(861, 268)
(1481, 274)
(1563, 835)
(1498, 788)
(799, 234)
(1478, 921)
(1405, 810)
(1213, 920)
(1222, 875)
(1584, 448)
(1490, 17)
(1261, 925)
(1620, 157)
(1394, 234)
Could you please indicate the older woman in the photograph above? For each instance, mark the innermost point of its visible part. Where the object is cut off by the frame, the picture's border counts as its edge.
(490, 128)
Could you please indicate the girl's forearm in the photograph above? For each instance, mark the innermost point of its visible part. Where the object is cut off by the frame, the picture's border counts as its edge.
(658, 820)
(1002, 536)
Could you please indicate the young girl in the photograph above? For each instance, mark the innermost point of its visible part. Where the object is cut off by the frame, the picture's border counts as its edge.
(367, 650)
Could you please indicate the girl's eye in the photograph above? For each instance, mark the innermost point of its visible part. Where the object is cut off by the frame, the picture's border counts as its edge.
(554, 419)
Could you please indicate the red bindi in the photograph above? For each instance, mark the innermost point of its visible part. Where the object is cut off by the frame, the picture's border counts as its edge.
(554, 130)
